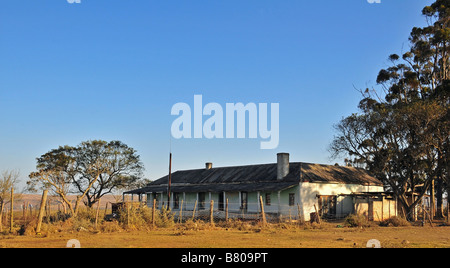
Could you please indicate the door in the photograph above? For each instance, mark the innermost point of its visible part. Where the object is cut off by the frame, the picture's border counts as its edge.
(244, 201)
(201, 201)
(221, 201)
(327, 206)
(157, 197)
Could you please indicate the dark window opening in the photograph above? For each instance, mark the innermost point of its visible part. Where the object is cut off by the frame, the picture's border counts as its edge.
(221, 201)
(201, 200)
(327, 206)
(244, 201)
(176, 200)
(291, 199)
(268, 200)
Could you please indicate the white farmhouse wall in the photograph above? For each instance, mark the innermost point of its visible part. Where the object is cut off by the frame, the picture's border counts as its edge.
(305, 197)
(309, 191)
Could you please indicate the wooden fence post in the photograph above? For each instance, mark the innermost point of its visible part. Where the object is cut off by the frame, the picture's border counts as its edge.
(180, 220)
(1, 218)
(153, 212)
(448, 209)
(226, 210)
(128, 213)
(106, 210)
(193, 213)
(12, 211)
(41, 211)
(96, 214)
(423, 215)
(211, 212)
(262, 211)
(24, 211)
(317, 214)
(299, 211)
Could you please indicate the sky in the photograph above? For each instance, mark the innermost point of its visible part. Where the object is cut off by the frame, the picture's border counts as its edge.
(113, 69)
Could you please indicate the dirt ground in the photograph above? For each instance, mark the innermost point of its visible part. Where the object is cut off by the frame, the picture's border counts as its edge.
(324, 237)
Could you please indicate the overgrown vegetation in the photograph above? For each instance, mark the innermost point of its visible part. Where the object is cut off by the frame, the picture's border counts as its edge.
(141, 219)
(90, 170)
(395, 221)
(357, 221)
(401, 134)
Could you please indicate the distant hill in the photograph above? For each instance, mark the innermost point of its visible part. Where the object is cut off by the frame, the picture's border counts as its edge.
(35, 200)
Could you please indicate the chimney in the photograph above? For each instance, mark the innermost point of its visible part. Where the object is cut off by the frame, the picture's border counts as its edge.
(208, 166)
(282, 165)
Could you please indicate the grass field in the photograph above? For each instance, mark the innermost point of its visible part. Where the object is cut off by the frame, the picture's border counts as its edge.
(134, 229)
(215, 237)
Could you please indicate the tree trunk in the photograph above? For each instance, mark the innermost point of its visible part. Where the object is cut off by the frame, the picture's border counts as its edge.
(439, 198)
(1, 216)
(432, 199)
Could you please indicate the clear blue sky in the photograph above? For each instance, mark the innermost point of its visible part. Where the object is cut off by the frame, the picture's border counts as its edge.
(112, 69)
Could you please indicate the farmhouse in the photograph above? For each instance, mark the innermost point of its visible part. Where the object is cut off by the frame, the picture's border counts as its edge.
(284, 187)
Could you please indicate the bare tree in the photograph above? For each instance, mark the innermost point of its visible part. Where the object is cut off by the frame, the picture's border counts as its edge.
(8, 180)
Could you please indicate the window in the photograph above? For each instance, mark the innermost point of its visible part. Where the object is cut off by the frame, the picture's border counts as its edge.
(221, 203)
(327, 206)
(291, 199)
(157, 197)
(268, 201)
(244, 201)
(176, 200)
(201, 200)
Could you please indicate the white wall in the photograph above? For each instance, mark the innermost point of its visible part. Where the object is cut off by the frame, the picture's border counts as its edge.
(305, 196)
(309, 191)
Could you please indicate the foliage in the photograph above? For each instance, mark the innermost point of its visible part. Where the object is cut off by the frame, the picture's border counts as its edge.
(8, 180)
(395, 221)
(90, 170)
(401, 134)
(356, 220)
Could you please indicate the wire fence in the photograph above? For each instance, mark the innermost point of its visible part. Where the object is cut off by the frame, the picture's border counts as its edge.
(212, 211)
(192, 210)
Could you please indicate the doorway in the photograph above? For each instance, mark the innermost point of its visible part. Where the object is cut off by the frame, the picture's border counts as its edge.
(244, 201)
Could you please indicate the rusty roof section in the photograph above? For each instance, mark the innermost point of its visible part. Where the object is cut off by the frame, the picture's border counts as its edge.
(336, 174)
(257, 178)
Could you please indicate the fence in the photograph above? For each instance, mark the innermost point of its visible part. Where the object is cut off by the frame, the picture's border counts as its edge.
(213, 212)
(183, 211)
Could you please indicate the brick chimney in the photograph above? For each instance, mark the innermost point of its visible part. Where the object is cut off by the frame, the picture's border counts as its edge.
(282, 165)
(208, 166)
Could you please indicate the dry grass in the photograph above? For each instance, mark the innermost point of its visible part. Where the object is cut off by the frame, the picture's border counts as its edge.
(235, 235)
(134, 229)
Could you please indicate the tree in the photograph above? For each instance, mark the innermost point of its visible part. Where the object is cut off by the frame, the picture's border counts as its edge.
(56, 172)
(402, 132)
(104, 167)
(395, 144)
(8, 180)
(90, 170)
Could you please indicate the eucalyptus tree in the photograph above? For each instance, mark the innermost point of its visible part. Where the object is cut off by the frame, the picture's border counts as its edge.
(90, 170)
(402, 131)
(9, 179)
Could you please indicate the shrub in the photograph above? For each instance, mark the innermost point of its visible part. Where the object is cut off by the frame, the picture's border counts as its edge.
(110, 227)
(357, 221)
(141, 217)
(164, 218)
(395, 221)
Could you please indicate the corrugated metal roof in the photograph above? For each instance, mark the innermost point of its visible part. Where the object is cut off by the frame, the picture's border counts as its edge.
(256, 178)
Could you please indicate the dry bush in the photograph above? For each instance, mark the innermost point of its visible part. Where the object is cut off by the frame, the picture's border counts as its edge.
(137, 218)
(110, 227)
(395, 221)
(357, 221)
(238, 224)
(195, 225)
